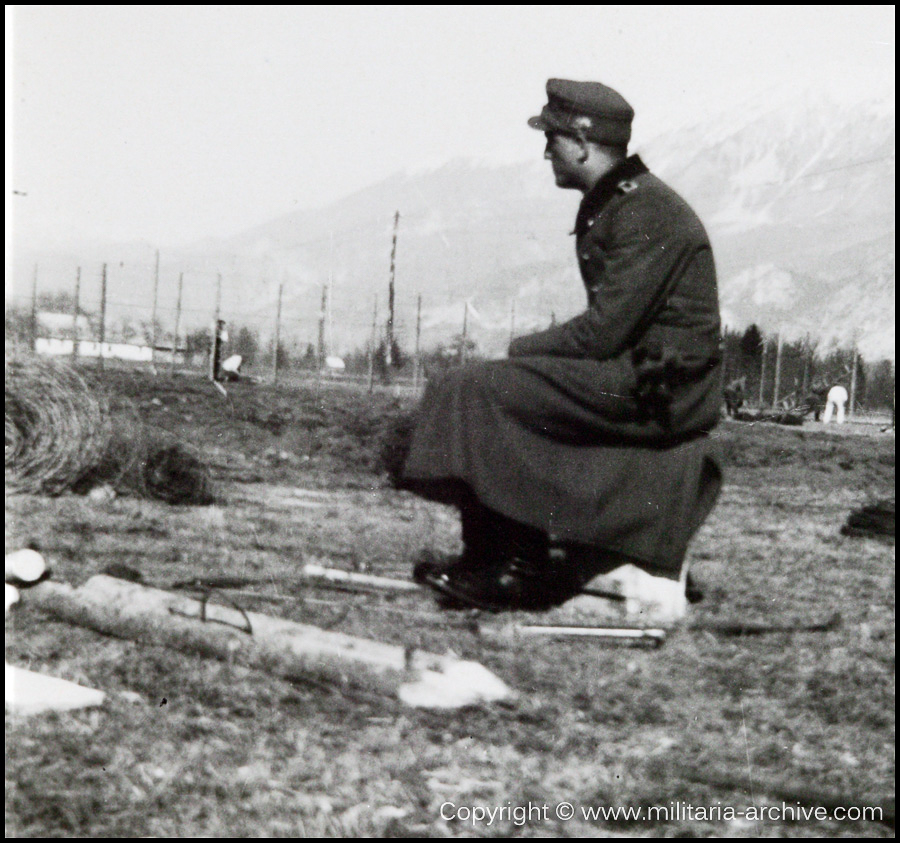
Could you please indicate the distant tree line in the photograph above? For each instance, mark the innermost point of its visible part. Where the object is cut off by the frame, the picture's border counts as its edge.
(246, 342)
(805, 367)
(805, 364)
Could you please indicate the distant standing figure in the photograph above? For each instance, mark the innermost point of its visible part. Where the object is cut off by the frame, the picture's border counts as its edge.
(815, 400)
(734, 396)
(837, 398)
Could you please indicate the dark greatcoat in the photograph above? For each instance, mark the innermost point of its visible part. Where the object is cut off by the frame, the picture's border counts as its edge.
(596, 430)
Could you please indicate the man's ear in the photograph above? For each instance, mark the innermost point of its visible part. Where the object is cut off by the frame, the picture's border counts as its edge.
(584, 150)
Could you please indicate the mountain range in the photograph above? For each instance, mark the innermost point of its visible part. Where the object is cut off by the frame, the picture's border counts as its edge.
(798, 201)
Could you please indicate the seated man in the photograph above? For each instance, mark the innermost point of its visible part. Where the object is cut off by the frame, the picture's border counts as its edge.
(587, 448)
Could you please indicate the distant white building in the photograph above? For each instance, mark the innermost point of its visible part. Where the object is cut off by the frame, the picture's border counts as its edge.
(57, 333)
(53, 347)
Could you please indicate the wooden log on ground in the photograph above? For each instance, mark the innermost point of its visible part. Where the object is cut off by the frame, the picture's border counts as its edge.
(294, 651)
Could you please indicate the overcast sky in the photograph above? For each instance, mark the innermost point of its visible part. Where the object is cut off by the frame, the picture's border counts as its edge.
(170, 123)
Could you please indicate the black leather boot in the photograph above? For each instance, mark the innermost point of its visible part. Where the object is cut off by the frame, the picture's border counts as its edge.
(512, 584)
(506, 566)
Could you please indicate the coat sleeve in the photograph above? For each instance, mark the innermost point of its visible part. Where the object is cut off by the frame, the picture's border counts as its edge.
(646, 247)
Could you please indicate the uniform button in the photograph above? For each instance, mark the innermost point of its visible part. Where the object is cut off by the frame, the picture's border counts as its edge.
(590, 222)
(585, 256)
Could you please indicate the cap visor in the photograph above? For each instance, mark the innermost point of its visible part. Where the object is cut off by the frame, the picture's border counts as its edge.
(540, 124)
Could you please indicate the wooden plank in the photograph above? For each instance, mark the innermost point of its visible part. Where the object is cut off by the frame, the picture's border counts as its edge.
(28, 693)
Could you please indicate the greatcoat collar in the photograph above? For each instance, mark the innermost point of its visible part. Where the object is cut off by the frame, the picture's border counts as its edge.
(596, 198)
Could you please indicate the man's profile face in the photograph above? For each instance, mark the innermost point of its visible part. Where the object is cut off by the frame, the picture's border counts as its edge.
(565, 154)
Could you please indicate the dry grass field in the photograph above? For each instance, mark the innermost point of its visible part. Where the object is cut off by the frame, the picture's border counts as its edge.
(190, 747)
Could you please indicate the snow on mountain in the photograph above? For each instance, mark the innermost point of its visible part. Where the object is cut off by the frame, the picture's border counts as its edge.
(798, 199)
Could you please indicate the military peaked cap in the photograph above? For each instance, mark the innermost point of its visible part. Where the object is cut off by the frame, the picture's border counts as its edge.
(599, 112)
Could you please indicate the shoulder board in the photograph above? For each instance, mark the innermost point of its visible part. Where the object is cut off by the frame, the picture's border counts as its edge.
(626, 186)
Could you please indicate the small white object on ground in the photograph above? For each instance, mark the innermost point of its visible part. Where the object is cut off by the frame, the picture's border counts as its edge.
(648, 599)
(24, 566)
(102, 494)
(28, 692)
(456, 684)
(232, 364)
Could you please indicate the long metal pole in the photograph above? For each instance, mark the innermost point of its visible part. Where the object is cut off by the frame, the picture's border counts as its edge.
(102, 315)
(762, 373)
(277, 336)
(777, 370)
(853, 371)
(323, 311)
(463, 351)
(214, 344)
(417, 360)
(34, 319)
(329, 335)
(177, 320)
(806, 366)
(372, 343)
(389, 351)
(75, 306)
(154, 338)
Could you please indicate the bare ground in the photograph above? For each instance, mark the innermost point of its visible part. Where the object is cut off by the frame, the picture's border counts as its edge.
(187, 746)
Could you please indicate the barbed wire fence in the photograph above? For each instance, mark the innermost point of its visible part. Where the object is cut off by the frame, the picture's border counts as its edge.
(302, 324)
(159, 320)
